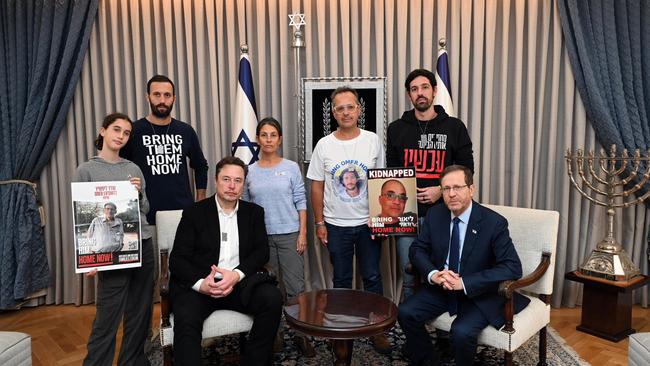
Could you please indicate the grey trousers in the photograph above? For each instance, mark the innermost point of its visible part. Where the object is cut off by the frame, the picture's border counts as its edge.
(123, 295)
(287, 263)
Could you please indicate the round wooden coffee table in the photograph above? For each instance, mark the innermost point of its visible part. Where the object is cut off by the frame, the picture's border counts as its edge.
(341, 315)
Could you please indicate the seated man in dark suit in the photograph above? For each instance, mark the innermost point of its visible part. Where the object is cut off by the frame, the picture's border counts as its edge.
(225, 237)
(464, 250)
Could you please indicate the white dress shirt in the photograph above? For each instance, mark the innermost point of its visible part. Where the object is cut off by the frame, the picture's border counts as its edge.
(229, 237)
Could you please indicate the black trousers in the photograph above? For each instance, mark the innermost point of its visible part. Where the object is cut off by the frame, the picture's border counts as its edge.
(123, 295)
(191, 308)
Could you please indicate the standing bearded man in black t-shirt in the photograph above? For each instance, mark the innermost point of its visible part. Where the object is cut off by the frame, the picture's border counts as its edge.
(160, 145)
(429, 140)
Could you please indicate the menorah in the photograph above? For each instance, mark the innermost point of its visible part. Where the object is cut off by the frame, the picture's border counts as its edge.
(609, 260)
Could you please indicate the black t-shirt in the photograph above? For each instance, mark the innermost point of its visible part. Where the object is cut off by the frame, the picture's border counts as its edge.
(161, 152)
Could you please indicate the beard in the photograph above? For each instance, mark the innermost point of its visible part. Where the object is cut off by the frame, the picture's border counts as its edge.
(164, 114)
(422, 107)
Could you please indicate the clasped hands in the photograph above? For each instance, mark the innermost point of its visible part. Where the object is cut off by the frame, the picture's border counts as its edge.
(221, 288)
(448, 280)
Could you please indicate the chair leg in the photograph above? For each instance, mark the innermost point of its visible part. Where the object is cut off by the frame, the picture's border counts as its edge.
(242, 341)
(542, 347)
(167, 356)
(507, 358)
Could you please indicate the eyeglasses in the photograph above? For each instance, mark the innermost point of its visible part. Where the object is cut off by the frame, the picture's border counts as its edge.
(448, 190)
(394, 196)
(345, 108)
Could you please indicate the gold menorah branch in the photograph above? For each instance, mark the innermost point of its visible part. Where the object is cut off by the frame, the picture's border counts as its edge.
(608, 259)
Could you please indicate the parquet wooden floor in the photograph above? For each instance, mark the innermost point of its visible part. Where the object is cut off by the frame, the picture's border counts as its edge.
(594, 350)
(59, 333)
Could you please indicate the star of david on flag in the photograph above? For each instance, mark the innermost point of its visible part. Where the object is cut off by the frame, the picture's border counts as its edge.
(443, 96)
(245, 116)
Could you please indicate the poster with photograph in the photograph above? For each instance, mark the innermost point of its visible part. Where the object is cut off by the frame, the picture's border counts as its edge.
(392, 201)
(106, 219)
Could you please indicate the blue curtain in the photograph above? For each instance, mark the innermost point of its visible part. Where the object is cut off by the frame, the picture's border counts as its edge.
(42, 46)
(608, 43)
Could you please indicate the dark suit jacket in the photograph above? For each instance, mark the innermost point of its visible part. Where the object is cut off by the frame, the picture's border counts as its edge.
(488, 257)
(197, 243)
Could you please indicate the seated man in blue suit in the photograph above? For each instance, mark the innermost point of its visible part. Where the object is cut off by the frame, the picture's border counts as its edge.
(465, 251)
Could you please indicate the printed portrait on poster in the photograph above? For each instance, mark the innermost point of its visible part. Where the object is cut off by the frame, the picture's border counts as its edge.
(392, 201)
(317, 119)
(106, 223)
(351, 182)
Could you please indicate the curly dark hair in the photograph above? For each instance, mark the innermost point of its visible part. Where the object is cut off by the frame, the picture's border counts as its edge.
(350, 169)
(419, 72)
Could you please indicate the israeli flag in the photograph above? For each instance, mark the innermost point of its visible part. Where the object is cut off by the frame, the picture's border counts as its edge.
(245, 116)
(443, 96)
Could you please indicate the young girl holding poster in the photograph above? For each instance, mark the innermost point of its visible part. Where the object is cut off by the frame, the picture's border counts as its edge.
(123, 293)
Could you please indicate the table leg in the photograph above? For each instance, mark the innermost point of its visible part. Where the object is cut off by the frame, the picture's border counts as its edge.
(343, 351)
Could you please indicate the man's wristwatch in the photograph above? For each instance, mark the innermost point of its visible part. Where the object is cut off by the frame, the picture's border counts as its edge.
(319, 223)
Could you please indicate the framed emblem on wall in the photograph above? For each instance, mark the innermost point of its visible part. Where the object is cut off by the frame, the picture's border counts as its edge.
(317, 120)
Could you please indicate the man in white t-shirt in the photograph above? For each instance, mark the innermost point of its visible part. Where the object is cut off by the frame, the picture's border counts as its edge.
(339, 193)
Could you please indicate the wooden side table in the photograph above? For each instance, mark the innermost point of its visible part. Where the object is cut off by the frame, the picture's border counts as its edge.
(341, 315)
(607, 305)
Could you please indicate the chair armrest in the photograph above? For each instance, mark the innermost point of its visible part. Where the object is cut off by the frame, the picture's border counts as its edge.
(165, 306)
(507, 288)
(266, 268)
(417, 280)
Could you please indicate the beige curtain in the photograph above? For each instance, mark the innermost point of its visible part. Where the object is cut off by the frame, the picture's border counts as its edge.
(511, 83)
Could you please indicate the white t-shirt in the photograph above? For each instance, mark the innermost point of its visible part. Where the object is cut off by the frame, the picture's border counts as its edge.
(346, 162)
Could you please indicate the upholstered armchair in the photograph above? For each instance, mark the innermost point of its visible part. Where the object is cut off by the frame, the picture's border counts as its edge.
(15, 349)
(534, 234)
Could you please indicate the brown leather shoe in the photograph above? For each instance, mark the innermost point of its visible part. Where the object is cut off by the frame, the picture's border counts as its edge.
(278, 343)
(304, 345)
(381, 344)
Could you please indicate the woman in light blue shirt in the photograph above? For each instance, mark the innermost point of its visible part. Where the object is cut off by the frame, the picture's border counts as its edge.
(276, 184)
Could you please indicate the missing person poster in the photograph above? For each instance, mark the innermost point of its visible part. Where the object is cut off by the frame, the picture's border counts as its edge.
(392, 201)
(106, 218)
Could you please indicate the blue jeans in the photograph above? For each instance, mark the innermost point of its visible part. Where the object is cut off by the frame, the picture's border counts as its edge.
(343, 242)
(403, 245)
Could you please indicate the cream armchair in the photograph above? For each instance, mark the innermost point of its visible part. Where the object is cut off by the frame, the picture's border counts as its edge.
(15, 349)
(534, 234)
(219, 323)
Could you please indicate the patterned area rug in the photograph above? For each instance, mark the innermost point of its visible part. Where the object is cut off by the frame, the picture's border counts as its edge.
(225, 350)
